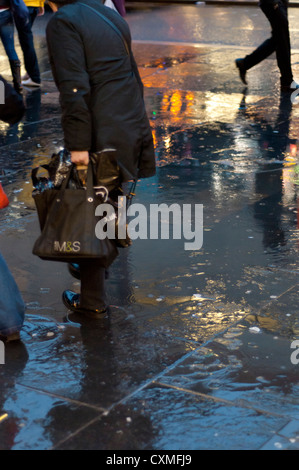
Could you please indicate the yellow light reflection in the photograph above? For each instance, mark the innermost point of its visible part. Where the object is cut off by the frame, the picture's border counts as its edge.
(154, 137)
(176, 105)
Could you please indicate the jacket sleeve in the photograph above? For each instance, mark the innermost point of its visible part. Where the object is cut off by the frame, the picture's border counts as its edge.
(67, 58)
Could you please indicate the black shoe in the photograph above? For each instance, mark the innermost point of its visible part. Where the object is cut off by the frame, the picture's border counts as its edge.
(289, 88)
(72, 301)
(242, 71)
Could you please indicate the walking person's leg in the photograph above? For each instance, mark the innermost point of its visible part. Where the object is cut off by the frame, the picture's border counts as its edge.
(261, 53)
(258, 55)
(33, 11)
(30, 58)
(92, 299)
(278, 18)
(279, 43)
(93, 295)
(7, 38)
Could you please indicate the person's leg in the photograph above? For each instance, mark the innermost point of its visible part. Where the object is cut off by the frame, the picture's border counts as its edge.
(15, 66)
(278, 18)
(33, 11)
(92, 300)
(261, 53)
(27, 45)
(93, 295)
(7, 37)
(12, 307)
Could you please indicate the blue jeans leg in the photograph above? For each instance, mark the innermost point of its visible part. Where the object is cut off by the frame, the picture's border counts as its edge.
(7, 34)
(33, 11)
(12, 307)
(27, 45)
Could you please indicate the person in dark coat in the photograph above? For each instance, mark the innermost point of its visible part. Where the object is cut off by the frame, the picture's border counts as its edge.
(101, 96)
(276, 12)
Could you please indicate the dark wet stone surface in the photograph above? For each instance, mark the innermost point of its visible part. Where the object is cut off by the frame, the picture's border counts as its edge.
(197, 351)
(247, 366)
(185, 419)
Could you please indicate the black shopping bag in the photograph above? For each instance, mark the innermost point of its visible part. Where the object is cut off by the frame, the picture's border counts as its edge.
(68, 225)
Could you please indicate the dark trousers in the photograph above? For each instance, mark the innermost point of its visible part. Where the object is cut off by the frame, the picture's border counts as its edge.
(7, 34)
(33, 11)
(93, 295)
(27, 44)
(279, 42)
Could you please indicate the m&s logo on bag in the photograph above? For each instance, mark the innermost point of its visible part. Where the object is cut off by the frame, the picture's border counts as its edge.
(67, 247)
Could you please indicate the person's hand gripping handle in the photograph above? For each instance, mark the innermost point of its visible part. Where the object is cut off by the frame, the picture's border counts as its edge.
(81, 160)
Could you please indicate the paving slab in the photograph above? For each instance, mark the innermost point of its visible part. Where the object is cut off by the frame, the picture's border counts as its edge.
(200, 349)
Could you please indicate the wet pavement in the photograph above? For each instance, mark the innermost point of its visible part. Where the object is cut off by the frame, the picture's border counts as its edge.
(197, 352)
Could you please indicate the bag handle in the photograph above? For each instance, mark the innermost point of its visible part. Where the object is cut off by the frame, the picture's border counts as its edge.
(65, 182)
(89, 183)
(112, 25)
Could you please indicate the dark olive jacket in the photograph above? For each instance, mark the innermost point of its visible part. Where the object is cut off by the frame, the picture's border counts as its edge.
(101, 93)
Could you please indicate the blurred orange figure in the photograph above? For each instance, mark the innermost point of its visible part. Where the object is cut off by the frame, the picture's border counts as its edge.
(3, 198)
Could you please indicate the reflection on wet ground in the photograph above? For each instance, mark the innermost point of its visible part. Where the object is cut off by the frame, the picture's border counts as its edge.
(196, 352)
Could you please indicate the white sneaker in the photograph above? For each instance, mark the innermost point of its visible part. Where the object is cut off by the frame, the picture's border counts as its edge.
(30, 82)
